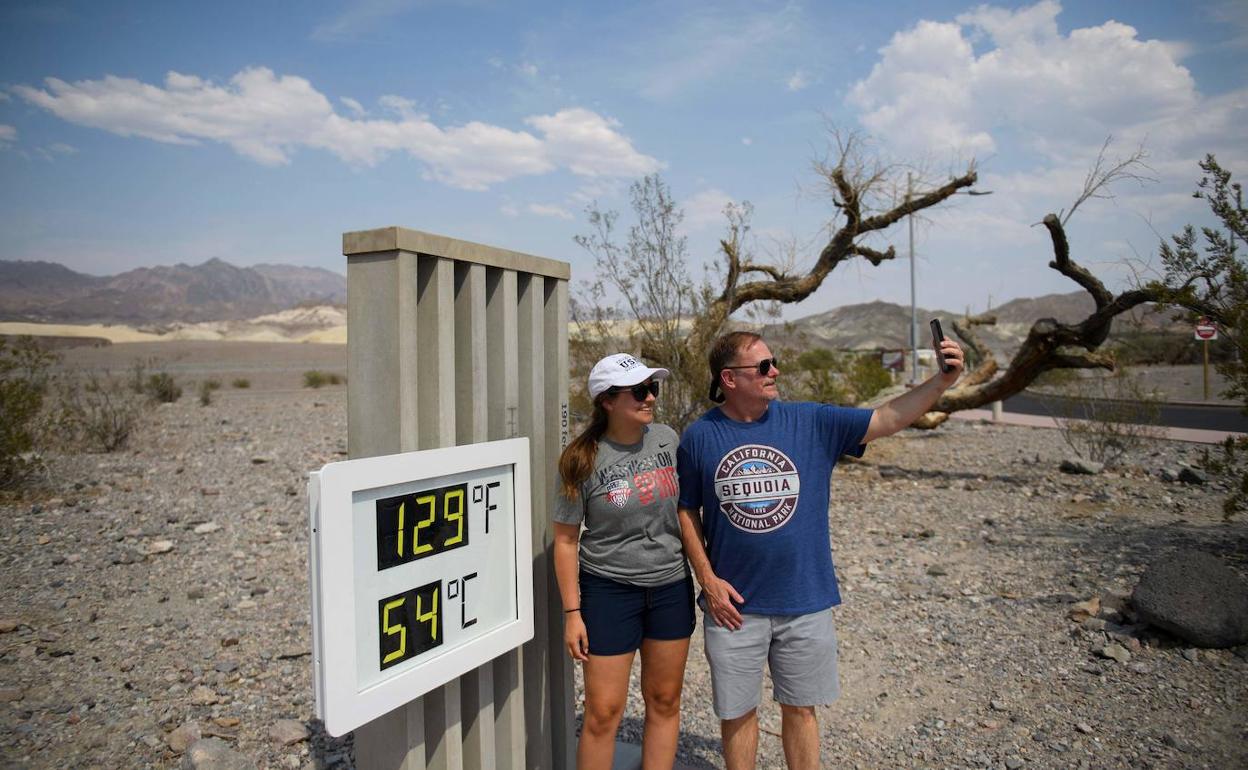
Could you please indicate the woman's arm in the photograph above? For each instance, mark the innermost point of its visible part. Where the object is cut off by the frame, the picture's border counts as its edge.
(567, 568)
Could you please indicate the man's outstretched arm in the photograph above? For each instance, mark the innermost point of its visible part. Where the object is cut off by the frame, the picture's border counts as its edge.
(914, 403)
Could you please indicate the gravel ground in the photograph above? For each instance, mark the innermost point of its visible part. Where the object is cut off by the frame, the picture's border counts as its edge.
(160, 592)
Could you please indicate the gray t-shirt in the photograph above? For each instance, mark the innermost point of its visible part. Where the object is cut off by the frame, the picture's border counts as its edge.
(628, 506)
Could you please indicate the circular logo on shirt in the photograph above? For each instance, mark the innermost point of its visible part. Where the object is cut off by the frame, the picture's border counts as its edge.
(757, 487)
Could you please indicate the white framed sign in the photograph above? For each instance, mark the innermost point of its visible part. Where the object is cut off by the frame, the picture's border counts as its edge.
(420, 567)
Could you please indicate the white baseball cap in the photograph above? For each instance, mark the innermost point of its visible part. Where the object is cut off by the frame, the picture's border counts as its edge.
(620, 370)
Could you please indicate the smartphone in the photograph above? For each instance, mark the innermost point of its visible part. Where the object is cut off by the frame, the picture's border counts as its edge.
(937, 337)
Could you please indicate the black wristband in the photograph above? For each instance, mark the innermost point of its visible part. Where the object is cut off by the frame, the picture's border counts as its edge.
(574, 609)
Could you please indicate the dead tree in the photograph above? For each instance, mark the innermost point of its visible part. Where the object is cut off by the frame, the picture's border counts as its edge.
(1051, 344)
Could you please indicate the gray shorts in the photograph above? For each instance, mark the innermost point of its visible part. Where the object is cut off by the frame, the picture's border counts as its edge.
(800, 650)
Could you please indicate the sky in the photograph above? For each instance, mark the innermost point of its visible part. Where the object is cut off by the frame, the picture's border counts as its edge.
(146, 133)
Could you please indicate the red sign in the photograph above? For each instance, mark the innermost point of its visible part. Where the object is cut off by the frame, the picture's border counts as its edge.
(1205, 330)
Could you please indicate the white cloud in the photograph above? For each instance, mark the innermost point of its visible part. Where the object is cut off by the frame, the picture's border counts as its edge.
(356, 108)
(710, 45)
(705, 209)
(930, 91)
(747, 141)
(550, 210)
(7, 133)
(528, 69)
(358, 18)
(589, 144)
(797, 81)
(268, 118)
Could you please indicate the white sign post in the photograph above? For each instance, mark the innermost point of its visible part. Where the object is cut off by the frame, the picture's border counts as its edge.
(1205, 331)
(420, 569)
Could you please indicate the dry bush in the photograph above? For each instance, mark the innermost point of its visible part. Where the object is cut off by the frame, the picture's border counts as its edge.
(1105, 419)
(24, 378)
(96, 412)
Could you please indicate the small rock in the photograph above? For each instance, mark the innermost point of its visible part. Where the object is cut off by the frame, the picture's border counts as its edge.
(1084, 728)
(195, 593)
(260, 460)
(204, 696)
(8, 625)
(1084, 610)
(11, 694)
(181, 739)
(226, 722)
(160, 546)
(1140, 668)
(207, 527)
(1115, 652)
(213, 754)
(1191, 654)
(246, 604)
(288, 731)
(1169, 475)
(1193, 476)
(1080, 466)
(1013, 763)
(998, 705)
(937, 570)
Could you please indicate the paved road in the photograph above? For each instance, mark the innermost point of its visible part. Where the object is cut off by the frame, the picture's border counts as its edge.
(1197, 416)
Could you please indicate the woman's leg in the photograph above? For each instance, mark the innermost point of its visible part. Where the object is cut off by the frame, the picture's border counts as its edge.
(606, 690)
(662, 677)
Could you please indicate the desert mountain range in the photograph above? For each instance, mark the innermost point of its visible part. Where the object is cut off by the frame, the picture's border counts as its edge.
(46, 292)
(272, 303)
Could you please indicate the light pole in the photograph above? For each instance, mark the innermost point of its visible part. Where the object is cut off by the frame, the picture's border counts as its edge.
(914, 317)
(914, 311)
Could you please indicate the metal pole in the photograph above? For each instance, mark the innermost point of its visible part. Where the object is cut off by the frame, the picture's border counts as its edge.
(914, 318)
(1206, 345)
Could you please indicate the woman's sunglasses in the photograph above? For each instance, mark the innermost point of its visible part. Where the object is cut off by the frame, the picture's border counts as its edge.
(639, 390)
(762, 367)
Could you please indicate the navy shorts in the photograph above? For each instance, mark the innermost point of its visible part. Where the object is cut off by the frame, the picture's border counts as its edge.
(618, 615)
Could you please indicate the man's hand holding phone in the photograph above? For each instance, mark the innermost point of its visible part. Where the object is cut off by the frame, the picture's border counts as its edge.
(948, 354)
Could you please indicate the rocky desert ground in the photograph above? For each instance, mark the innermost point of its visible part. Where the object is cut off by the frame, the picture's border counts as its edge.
(158, 594)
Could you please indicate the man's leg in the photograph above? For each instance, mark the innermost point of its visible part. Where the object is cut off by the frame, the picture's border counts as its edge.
(740, 738)
(799, 731)
(803, 672)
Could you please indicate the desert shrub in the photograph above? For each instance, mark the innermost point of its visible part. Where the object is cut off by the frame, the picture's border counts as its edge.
(211, 384)
(314, 378)
(96, 411)
(241, 383)
(828, 377)
(162, 387)
(1104, 419)
(24, 378)
(205, 392)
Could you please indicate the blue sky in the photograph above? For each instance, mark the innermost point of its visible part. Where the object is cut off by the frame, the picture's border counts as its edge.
(141, 133)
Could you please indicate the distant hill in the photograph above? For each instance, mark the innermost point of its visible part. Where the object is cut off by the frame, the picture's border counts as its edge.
(46, 292)
(886, 326)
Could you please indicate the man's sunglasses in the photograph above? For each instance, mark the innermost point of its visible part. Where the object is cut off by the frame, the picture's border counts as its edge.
(639, 390)
(762, 367)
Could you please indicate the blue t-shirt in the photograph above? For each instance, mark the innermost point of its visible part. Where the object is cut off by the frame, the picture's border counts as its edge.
(763, 488)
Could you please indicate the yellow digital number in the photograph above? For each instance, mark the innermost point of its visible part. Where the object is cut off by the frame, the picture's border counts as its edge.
(401, 507)
(417, 546)
(430, 617)
(457, 517)
(398, 628)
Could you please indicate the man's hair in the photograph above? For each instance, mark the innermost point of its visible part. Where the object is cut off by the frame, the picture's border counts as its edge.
(723, 351)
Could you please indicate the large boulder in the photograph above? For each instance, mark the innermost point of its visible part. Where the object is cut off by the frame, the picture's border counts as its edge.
(1195, 596)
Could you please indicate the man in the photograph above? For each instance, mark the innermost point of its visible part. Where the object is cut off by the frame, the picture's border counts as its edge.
(759, 472)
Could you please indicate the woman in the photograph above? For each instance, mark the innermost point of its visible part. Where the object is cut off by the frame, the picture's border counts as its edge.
(623, 580)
